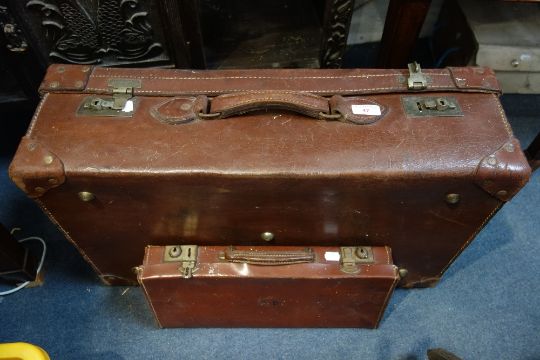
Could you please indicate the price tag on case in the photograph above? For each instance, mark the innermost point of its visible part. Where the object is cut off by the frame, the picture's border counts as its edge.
(366, 109)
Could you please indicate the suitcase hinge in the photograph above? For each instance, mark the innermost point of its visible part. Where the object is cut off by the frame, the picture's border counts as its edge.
(417, 80)
(185, 254)
(351, 256)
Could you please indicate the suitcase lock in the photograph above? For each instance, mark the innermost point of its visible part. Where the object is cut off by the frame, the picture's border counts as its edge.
(351, 256)
(117, 105)
(185, 254)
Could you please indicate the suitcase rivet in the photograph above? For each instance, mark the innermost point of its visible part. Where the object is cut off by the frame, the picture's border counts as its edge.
(509, 147)
(86, 196)
(267, 236)
(492, 160)
(452, 198)
(61, 69)
(79, 83)
(52, 181)
(502, 193)
(54, 84)
(185, 107)
(48, 159)
(39, 189)
(403, 272)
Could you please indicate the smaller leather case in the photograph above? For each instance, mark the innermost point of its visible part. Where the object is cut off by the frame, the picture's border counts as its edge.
(270, 286)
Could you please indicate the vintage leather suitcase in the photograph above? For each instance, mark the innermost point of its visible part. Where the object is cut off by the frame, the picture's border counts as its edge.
(411, 159)
(267, 286)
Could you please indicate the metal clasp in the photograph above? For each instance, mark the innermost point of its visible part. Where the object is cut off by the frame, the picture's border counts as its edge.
(417, 80)
(117, 106)
(185, 254)
(351, 256)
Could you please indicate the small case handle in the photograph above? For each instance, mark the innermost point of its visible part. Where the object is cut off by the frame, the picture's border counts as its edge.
(264, 257)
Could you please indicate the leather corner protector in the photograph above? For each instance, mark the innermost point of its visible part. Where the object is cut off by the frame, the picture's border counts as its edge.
(179, 110)
(65, 77)
(35, 170)
(503, 173)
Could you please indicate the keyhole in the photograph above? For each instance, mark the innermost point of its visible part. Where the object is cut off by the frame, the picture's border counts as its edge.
(419, 105)
(175, 252)
(189, 253)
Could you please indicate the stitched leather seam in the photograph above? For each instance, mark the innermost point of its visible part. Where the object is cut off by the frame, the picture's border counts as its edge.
(503, 116)
(471, 238)
(36, 115)
(258, 77)
(66, 234)
(277, 94)
(151, 304)
(192, 91)
(385, 303)
(466, 85)
(387, 255)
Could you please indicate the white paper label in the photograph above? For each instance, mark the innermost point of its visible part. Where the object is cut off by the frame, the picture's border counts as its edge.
(332, 256)
(128, 107)
(366, 109)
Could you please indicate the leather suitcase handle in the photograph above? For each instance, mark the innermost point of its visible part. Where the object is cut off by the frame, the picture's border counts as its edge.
(268, 257)
(182, 110)
(224, 106)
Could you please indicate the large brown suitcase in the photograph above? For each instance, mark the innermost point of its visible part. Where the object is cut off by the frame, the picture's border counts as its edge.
(124, 158)
(218, 286)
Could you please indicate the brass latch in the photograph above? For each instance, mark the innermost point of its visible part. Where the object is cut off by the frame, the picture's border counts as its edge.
(185, 254)
(417, 80)
(120, 104)
(351, 256)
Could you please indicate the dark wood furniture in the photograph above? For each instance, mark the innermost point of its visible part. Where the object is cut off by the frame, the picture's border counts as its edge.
(185, 33)
(403, 23)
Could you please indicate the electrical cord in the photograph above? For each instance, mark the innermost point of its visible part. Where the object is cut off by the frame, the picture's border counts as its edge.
(40, 265)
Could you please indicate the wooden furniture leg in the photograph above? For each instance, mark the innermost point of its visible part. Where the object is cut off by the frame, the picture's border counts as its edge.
(403, 23)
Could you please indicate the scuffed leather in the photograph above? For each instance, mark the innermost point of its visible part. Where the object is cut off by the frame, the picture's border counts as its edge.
(343, 105)
(65, 78)
(35, 169)
(308, 182)
(239, 103)
(475, 78)
(314, 294)
(169, 82)
(180, 110)
(505, 172)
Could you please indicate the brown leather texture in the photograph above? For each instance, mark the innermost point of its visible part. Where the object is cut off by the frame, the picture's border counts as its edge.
(226, 294)
(423, 185)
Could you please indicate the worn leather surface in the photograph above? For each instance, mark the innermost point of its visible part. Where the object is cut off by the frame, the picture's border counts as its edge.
(309, 182)
(315, 294)
(159, 82)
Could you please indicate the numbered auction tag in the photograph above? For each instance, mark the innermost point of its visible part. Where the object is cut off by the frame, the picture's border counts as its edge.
(366, 109)
(332, 256)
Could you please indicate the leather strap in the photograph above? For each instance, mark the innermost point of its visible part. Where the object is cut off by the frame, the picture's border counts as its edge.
(255, 257)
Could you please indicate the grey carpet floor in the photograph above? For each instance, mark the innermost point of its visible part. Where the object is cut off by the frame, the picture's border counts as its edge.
(486, 307)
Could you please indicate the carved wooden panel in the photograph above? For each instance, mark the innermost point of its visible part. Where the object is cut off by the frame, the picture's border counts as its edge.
(104, 32)
(335, 32)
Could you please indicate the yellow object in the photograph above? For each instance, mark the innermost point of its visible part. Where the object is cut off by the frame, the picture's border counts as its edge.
(22, 351)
